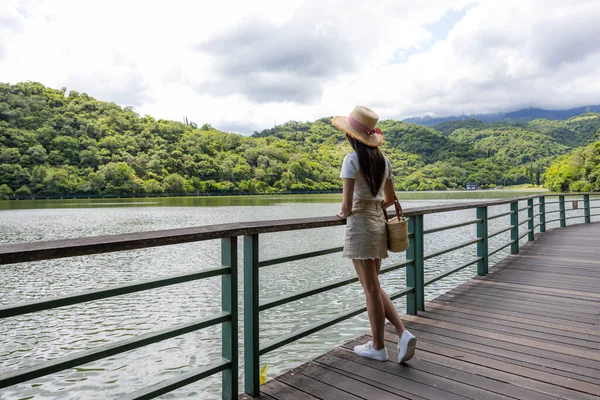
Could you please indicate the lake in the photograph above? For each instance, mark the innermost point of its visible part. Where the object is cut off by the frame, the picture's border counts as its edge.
(36, 337)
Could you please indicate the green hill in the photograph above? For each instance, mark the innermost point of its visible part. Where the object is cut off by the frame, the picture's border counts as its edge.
(578, 171)
(58, 143)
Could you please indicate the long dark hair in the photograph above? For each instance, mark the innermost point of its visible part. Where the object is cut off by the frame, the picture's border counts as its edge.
(372, 164)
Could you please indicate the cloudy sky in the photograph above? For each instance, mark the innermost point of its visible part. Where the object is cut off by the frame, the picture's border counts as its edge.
(247, 65)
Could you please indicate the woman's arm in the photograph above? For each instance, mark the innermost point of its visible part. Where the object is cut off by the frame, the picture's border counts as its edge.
(388, 194)
(347, 198)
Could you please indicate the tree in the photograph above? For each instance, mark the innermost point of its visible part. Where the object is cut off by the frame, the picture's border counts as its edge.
(119, 178)
(5, 190)
(23, 191)
(174, 183)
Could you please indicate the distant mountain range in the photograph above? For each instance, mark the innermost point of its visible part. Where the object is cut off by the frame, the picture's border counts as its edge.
(524, 115)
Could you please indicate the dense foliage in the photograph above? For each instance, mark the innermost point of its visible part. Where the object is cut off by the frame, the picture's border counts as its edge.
(53, 142)
(578, 171)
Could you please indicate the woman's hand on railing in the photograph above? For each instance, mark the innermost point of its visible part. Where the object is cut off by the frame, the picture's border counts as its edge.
(344, 212)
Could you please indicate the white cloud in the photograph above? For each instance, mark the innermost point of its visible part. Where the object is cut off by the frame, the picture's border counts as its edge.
(314, 58)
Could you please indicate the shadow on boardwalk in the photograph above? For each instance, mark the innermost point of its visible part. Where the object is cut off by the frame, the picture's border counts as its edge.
(528, 330)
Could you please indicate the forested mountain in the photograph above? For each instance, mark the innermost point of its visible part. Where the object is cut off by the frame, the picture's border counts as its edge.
(58, 142)
(523, 115)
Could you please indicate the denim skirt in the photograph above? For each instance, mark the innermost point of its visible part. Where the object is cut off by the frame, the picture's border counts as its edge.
(366, 231)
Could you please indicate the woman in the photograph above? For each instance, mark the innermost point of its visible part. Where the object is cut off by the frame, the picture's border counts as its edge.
(368, 187)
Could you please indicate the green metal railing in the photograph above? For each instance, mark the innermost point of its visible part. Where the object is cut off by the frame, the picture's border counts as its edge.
(228, 365)
(414, 265)
(252, 263)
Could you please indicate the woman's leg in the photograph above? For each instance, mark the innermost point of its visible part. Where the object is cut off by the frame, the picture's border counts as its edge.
(367, 272)
(390, 311)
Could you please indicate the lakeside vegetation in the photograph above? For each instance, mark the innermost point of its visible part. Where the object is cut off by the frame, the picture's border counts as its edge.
(54, 142)
(578, 171)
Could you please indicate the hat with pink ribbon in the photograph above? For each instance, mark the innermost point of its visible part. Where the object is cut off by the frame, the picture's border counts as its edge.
(361, 125)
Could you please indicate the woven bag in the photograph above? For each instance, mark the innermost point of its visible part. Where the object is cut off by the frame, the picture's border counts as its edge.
(397, 229)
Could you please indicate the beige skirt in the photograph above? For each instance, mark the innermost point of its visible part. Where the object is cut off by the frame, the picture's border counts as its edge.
(366, 233)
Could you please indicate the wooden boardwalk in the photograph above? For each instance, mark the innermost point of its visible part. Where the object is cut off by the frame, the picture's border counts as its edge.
(528, 330)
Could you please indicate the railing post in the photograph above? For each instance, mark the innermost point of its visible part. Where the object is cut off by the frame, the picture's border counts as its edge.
(542, 200)
(514, 231)
(411, 298)
(530, 223)
(561, 207)
(586, 208)
(482, 246)
(415, 276)
(229, 304)
(251, 345)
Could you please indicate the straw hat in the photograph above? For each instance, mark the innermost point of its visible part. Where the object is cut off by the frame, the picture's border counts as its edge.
(360, 124)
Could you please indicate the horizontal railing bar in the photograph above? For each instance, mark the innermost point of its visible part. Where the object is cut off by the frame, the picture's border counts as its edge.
(174, 383)
(443, 228)
(525, 233)
(524, 208)
(576, 216)
(84, 357)
(553, 220)
(536, 226)
(552, 212)
(448, 250)
(552, 202)
(501, 215)
(526, 220)
(450, 272)
(325, 323)
(299, 256)
(594, 207)
(500, 231)
(323, 288)
(537, 215)
(54, 302)
(500, 248)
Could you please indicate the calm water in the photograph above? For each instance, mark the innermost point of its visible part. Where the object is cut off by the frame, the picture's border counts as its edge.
(34, 338)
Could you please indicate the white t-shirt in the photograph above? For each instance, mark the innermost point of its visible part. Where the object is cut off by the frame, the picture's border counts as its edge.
(351, 169)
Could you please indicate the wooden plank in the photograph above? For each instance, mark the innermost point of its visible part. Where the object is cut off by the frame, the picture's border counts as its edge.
(567, 320)
(24, 252)
(369, 383)
(345, 383)
(533, 302)
(478, 377)
(523, 328)
(503, 302)
(34, 251)
(505, 317)
(280, 391)
(511, 368)
(555, 348)
(516, 294)
(386, 378)
(547, 335)
(522, 309)
(457, 362)
(263, 396)
(570, 296)
(560, 364)
(315, 387)
(407, 371)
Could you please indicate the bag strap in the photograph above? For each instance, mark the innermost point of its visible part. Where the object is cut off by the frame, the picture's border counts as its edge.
(397, 206)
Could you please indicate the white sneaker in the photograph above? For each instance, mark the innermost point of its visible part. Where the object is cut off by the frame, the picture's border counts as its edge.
(367, 350)
(406, 346)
